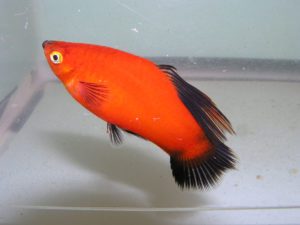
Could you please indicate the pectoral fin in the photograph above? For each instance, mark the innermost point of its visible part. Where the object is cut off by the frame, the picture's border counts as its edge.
(92, 93)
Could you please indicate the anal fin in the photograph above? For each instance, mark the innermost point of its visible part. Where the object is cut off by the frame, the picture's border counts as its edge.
(135, 134)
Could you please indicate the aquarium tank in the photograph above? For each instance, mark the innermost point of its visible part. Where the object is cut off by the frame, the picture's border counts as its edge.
(57, 165)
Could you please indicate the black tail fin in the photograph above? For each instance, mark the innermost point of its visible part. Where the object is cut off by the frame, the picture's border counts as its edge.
(202, 172)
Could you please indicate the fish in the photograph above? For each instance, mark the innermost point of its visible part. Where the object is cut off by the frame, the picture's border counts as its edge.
(153, 102)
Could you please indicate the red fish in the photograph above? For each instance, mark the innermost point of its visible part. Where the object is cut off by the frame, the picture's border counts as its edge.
(134, 95)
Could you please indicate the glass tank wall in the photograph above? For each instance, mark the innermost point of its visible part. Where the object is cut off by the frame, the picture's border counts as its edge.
(56, 161)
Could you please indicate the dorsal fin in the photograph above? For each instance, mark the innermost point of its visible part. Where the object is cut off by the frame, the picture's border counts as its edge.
(201, 107)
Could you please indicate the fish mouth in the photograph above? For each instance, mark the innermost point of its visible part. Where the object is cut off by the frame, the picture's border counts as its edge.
(46, 42)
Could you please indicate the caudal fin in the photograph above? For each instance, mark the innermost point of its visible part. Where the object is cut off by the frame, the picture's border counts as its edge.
(202, 172)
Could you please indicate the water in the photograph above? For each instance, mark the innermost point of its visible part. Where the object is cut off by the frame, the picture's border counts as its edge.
(56, 162)
(61, 160)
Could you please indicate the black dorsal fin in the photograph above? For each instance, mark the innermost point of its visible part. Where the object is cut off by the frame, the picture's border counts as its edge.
(201, 107)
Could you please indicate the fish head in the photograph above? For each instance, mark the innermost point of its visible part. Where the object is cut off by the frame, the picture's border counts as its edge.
(63, 59)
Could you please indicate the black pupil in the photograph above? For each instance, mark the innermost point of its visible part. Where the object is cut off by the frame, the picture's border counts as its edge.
(55, 57)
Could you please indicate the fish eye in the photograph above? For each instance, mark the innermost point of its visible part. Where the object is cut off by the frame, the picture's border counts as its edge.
(56, 57)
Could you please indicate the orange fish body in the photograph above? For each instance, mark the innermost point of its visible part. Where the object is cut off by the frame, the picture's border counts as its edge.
(135, 95)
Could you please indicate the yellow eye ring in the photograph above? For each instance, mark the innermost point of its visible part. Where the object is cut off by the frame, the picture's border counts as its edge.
(56, 57)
